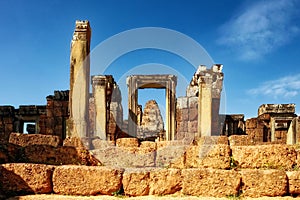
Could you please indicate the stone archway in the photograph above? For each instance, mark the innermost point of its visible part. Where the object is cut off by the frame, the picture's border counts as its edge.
(167, 82)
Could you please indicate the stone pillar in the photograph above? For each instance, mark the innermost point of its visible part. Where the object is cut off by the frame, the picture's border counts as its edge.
(292, 132)
(99, 91)
(173, 106)
(210, 83)
(272, 125)
(205, 106)
(79, 81)
(132, 105)
(168, 113)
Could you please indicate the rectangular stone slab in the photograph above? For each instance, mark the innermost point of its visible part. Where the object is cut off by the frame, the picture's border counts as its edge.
(21, 178)
(86, 180)
(258, 183)
(210, 182)
(264, 156)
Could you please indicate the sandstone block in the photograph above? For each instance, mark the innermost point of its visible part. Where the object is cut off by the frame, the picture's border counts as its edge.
(32, 139)
(163, 144)
(148, 144)
(182, 126)
(258, 183)
(98, 143)
(76, 142)
(251, 123)
(171, 156)
(10, 153)
(208, 156)
(264, 156)
(127, 142)
(59, 156)
(210, 182)
(212, 140)
(240, 140)
(193, 126)
(136, 182)
(182, 102)
(19, 178)
(193, 102)
(294, 182)
(125, 157)
(84, 180)
(182, 115)
(193, 114)
(165, 181)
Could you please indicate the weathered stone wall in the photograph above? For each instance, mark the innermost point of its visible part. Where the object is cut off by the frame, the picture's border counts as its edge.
(186, 117)
(7, 115)
(272, 123)
(210, 168)
(49, 119)
(57, 110)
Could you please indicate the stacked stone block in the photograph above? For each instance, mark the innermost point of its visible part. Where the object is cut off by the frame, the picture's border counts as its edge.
(6, 121)
(57, 110)
(256, 130)
(186, 117)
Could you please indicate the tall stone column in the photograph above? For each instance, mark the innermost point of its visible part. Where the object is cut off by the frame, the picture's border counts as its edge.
(79, 81)
(210, 83)
(132, 105)
(205, 106)
(99, 91)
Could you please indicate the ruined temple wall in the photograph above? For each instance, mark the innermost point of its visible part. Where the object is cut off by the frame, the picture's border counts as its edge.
(186, 117)
(6, 121)
(256, 130)
(57, 109)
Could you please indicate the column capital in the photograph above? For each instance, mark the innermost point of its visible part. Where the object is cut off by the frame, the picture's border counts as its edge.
(99, 80)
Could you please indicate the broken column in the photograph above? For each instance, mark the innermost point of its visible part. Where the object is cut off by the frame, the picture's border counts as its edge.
(79, 81)
(106, 101)
(210, 83)
(99, 92)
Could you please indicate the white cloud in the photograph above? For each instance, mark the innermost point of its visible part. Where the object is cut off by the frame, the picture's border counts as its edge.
(285, 87)
(260, 29)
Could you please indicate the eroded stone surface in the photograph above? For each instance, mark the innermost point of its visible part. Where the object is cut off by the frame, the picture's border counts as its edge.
(19, 178)
(258, 183)
(127, 142)
(59, 156)
(208, 156)
(136, 182)
(84, 180)
(165, 181)
(264, 156)
(294, 182)
(32, 139)
(126, 157)
(210, 182)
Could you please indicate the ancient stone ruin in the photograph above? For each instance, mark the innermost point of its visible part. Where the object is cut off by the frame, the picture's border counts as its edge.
(80, 143)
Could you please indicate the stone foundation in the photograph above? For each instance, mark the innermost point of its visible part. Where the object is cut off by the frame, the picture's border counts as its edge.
(209, 168)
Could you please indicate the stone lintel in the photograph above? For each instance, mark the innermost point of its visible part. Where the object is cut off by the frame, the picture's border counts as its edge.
(276, 109)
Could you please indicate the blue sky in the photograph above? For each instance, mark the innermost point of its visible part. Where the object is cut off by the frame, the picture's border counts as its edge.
(258, 42)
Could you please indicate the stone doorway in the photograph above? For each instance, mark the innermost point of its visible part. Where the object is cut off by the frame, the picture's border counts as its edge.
(167, 82)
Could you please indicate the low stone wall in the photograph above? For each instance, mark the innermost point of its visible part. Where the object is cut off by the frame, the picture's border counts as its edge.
(209, 167)
(25, 178)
